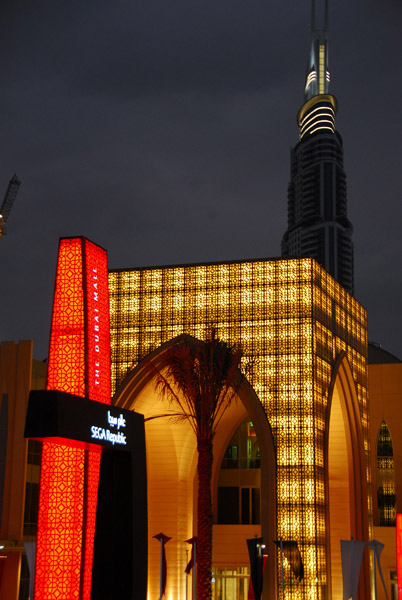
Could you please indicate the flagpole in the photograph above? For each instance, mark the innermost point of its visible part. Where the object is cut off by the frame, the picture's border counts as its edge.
(283, 579)
(161, 571)
(186, 576)
(195, 571)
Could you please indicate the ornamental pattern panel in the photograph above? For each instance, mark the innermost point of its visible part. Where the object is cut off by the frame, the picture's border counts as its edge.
(292, 319)
(79, 363)
(92, 470)
(58, 553)
(67, 339)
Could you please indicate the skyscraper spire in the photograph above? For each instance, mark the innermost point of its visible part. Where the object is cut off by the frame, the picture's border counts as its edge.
(319, 108)
(317, 78)
(318, 225)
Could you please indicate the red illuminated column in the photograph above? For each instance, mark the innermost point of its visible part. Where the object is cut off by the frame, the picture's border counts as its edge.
(79, 363)
(399, 552)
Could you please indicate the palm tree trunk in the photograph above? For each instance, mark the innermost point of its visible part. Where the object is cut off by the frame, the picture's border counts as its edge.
(204, 534)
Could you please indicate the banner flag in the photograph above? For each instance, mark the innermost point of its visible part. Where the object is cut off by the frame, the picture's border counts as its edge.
(352, 554)
(378, 547)
(190, 564)
(163, 539)
(30, 551)
(255, 547)
(292, 554)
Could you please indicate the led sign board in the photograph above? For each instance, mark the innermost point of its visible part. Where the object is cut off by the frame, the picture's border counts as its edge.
(79, 364)
(78, 422)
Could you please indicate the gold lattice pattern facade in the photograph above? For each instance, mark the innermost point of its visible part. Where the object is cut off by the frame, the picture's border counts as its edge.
(293, 320)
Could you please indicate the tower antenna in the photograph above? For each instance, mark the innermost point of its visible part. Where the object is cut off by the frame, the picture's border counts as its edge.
(312, 17)
(320, 22)
(317, 75)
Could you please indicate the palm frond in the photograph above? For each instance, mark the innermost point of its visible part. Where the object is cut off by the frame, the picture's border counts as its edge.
(174, 416)
(202, 379)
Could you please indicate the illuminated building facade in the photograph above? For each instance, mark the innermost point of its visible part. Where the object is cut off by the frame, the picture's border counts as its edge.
(318, 225)
(306, 402)
(292, 449)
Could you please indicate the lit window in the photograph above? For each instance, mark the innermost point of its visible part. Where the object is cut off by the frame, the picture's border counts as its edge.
(385, 477)
(243, 451)
(239, 480)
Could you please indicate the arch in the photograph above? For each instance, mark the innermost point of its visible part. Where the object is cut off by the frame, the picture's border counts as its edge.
(386, 493)
(171, 465)
(346, 480)
(248, 405)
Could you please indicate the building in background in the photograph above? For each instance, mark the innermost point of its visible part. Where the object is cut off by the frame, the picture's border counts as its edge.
(318, 225)
(385, 387)
(19, 465)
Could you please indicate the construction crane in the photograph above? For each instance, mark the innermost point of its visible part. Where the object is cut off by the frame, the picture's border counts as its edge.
(8, 202)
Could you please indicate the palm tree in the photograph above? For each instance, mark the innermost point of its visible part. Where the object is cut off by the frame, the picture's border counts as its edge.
(201, 378)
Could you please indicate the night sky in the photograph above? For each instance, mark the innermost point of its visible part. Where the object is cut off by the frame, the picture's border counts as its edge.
(161, 131)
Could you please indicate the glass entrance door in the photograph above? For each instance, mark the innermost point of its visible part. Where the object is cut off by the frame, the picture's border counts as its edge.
(230, 583)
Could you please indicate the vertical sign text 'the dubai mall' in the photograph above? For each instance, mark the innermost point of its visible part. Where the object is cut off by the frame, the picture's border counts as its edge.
(79, 363)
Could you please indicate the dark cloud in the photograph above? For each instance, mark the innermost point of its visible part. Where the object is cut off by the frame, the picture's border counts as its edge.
(162, 132)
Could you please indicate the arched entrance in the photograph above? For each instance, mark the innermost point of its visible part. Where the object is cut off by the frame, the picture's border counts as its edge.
(172, 482)
(347, 509)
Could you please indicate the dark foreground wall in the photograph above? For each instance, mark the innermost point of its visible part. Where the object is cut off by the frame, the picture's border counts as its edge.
(120, 551)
